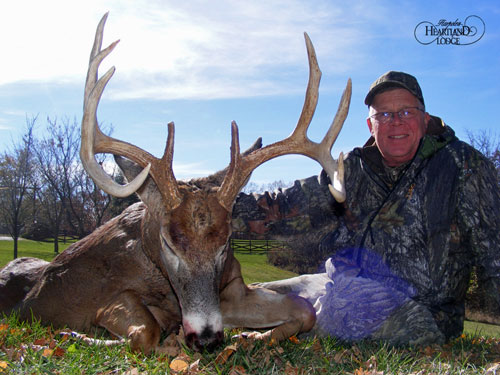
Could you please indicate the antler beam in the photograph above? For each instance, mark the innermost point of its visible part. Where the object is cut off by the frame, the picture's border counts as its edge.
(95, 141)
(297, 143)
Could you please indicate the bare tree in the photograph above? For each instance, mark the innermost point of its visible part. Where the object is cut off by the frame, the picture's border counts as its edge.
(16, 179)
(489, 145)
(95, 203)
(253, 187)
(69, 191)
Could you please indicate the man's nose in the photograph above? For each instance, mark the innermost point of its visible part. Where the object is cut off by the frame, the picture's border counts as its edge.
(396, 120)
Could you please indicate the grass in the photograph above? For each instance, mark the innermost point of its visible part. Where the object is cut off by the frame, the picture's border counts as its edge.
(256, 268)
(36, 349)
(27, 248)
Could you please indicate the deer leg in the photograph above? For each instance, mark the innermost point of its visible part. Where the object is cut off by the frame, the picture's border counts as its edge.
(309, 286)
(129, 318)
(261, 308)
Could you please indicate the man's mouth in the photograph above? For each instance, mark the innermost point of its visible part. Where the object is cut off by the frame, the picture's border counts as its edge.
(398, 136)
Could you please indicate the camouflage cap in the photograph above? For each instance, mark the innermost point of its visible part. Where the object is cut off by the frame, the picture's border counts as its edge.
(394, 79)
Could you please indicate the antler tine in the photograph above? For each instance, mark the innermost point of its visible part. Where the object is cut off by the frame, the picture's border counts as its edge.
(311, 98)
(91, 133)
(335, 169)
(94, 141)
(297, 143)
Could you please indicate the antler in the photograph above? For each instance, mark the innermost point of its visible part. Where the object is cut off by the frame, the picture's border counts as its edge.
(95, 141)
(297, 143)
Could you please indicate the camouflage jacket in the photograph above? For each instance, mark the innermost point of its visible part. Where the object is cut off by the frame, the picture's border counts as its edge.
(430, 221)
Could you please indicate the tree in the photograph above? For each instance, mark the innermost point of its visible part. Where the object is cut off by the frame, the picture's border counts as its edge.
(253, 187)
(72, 199)
(489, 145)
(16, 179)
(478, 304)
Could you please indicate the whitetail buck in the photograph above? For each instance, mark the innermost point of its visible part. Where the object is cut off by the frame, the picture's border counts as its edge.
(166, 260)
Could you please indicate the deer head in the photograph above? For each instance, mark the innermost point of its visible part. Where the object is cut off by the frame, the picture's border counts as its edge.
(188, 224)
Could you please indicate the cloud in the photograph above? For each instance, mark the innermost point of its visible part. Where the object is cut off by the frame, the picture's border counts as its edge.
(171, 49)
(184, 171)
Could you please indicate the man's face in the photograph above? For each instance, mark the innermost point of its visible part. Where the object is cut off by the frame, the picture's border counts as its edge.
(398, 139)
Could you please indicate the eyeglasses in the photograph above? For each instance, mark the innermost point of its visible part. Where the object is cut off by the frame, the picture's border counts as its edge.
(404, 114)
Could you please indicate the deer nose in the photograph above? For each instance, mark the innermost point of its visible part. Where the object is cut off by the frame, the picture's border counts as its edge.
(207, 340)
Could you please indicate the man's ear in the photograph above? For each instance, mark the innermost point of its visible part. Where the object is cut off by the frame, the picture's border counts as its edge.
(370, 125)
(427, 118)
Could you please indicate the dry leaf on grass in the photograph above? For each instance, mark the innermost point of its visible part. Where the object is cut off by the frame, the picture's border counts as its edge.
(238, 370)
(178, 365)
(294, 339)
(170, 346)
(340, 357)
(132, 371)
(291, 370)
(224, 355)
(47, 352)
(59, 352)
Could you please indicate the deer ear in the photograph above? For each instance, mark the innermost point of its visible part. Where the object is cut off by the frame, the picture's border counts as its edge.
(148, 192)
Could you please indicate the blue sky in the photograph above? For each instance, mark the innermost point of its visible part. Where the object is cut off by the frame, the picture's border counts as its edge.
(203, 64)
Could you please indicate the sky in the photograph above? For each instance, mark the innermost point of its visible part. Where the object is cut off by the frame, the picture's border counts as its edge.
(203, 64)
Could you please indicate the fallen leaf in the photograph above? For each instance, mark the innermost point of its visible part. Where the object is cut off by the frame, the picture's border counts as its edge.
(132, 371)
(371, 364)
(41, 342)
(194, 368)
(291, 370)
(3, 327)
(170, 346)
(4, 365)
(47, 352)
(223, 356)
(339, 357)
(428, 351)
(178, 365)
(52, 344)
(238, 370)
(59, 352)
(316, 346)
(294, 339)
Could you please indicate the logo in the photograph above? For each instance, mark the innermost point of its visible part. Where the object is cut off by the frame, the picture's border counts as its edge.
(455, 32)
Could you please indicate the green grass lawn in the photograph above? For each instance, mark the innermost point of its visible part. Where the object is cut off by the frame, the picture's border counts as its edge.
(28, 248)
(35, 349)
(254, 268)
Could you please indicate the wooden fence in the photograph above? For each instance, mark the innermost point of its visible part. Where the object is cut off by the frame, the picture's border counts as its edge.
(256, 246)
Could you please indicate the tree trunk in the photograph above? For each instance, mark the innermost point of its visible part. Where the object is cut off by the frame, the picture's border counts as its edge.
(56, 244)
(15, 246)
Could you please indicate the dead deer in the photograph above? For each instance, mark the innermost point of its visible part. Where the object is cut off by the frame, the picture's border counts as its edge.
(166, 260)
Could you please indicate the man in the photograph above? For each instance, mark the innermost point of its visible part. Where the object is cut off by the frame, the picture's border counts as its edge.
(422, 209)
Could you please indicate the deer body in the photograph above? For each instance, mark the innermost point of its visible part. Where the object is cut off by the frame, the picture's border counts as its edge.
(115, 279)
(166, 261)
(91, 274)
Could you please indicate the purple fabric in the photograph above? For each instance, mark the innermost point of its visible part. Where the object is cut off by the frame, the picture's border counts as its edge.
(362, 294)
